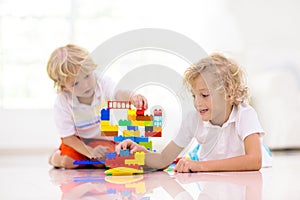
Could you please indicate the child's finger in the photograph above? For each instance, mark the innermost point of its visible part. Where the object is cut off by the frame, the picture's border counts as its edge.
(145, 102)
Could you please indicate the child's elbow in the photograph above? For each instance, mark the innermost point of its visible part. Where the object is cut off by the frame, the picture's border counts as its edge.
(256, 163)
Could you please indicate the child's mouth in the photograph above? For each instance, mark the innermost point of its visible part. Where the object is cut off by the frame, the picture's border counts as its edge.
(203, 111)
(88, 91)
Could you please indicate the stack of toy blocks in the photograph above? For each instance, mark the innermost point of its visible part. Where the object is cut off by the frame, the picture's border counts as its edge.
(136, 126)
(124, 159)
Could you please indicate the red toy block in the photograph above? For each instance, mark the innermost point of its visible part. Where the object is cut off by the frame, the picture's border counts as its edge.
(152, 134)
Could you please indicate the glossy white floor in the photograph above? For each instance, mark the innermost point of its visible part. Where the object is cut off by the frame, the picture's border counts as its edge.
(30, 177)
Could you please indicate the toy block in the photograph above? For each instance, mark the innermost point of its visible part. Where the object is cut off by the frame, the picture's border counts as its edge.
(131, 112)
(140, 112)
(118, 105)
(139, 158)
(152, 134)
(131, 117)
(140, 139)
(157, 112)
(137, 123)
(109, 133)
(124, 122)
(89, 162)
(148, 123)
(119, 161)
(148, 128)
(157, 123)
(157, 118)
(131, 133)
(157, 128)
(111, 155)
(109, 128)
(128, 133)
(144, 118)
(124, 152)
(123, 171)
(120, 138)
(104, 123)
(104, 114)
(134, 128)
(147, 145)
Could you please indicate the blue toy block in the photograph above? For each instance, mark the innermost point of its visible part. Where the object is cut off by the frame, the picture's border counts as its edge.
(89, 162)
(134, 128)
(111, 155)
(105, 114)
(141, 139)
(120, 138)
(124, 152)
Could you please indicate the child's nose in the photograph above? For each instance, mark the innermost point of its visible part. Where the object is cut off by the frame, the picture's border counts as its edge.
(198, 100)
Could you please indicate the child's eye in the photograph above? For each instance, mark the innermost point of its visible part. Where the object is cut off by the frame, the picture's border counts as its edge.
(205, 95)
(74, 84)
(193, 96)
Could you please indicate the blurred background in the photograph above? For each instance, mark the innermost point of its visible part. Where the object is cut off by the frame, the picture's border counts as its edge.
(263, 36)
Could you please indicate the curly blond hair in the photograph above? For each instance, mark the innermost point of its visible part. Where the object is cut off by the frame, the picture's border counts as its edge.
(229, 76)
(65, 63)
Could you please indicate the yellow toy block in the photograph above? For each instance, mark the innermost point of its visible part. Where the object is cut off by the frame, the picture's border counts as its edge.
(131, 133)
(137, 123)
(105, 123)
(123, 171)
(109, 128)
(157, 129)
(131, 112)
(139, 159)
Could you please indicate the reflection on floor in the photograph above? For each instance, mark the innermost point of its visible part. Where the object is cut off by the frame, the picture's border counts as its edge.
(30, 177)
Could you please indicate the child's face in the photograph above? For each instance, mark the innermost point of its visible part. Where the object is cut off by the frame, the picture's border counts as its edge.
(209, 102)
(82, 86)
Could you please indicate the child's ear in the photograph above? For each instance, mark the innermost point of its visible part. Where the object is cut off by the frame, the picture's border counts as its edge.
(65, 89)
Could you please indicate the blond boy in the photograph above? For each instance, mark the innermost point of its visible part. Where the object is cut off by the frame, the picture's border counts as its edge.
(76, 109)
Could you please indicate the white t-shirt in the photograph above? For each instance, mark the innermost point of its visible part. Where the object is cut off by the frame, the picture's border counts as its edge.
(222, 142)
(72, 117)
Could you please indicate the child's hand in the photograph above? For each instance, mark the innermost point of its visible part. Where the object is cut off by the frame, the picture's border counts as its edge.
(139, 101)
(99, 152)
(185, 165)
(132, 146)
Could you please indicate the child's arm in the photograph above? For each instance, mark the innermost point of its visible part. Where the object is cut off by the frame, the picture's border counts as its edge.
(79, 146)
(165, 158)
(252, 160)
(153, 160)
(139, 101)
